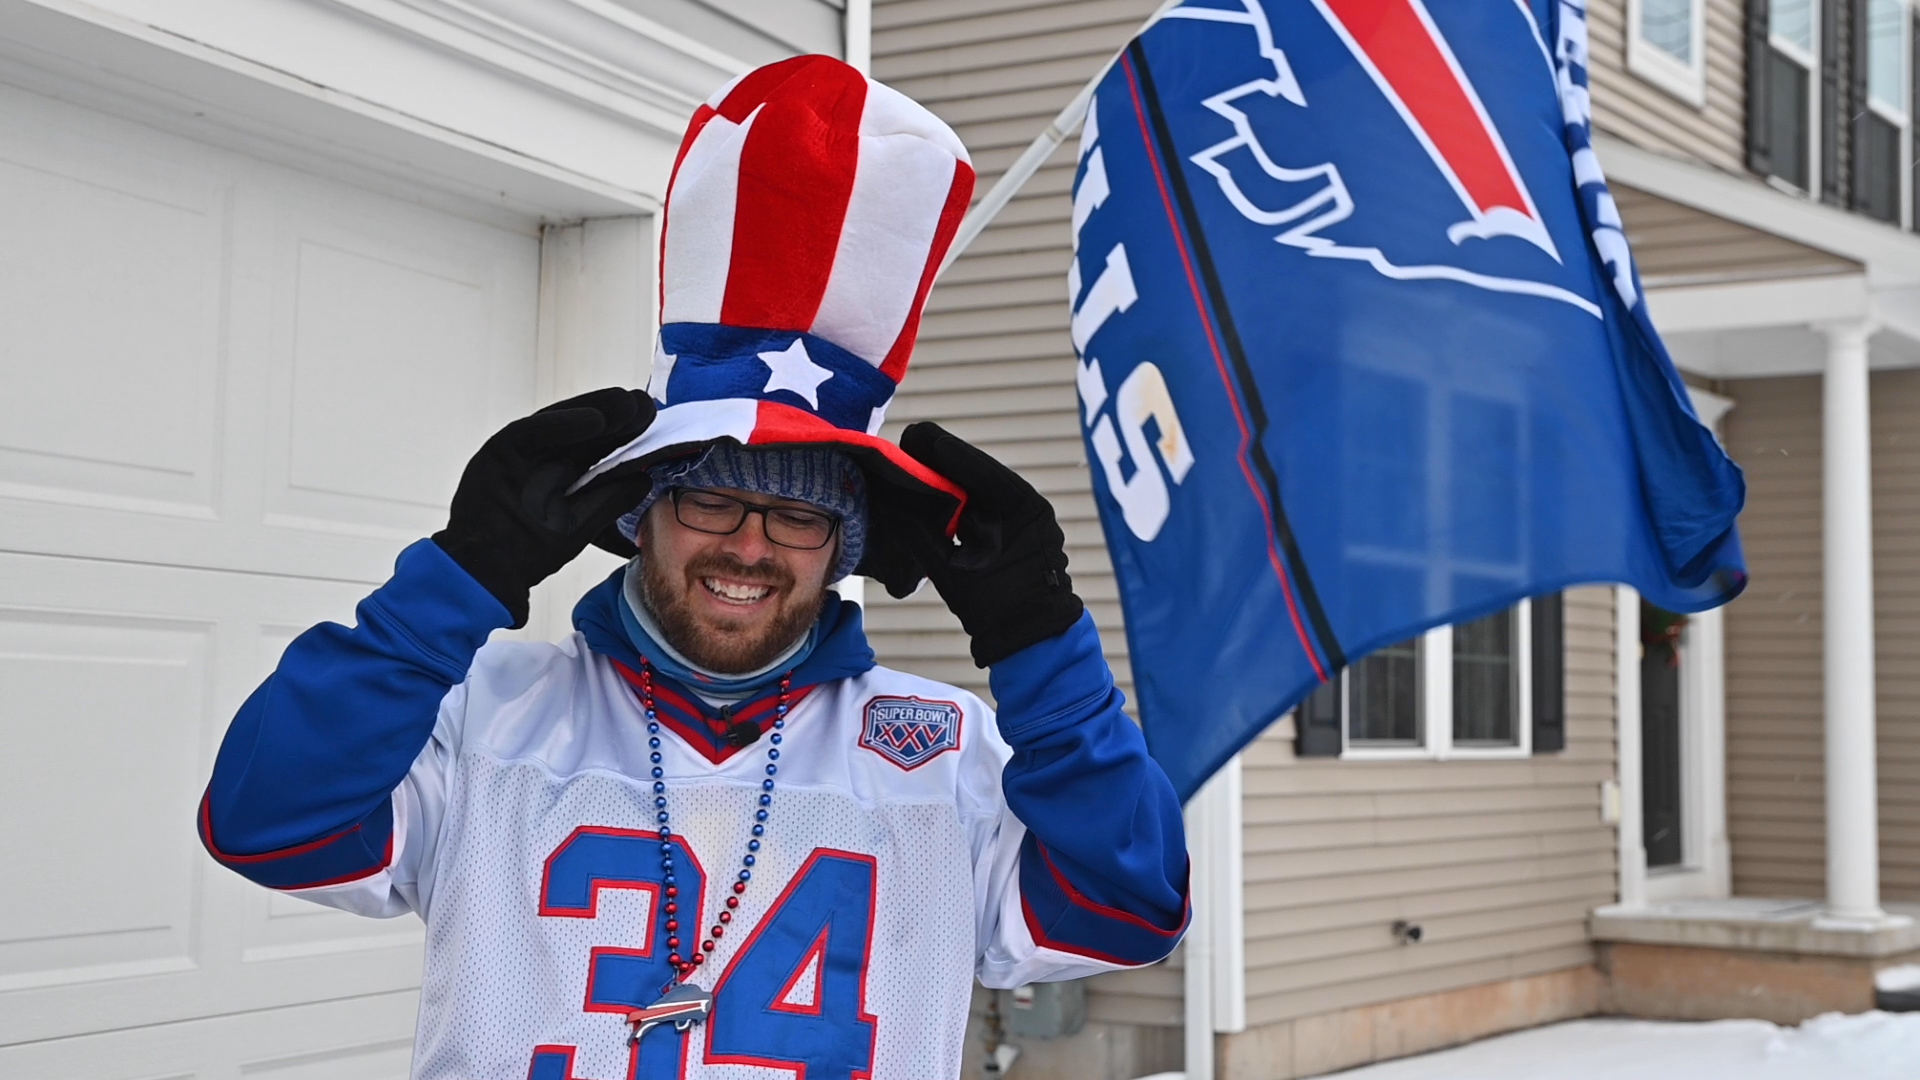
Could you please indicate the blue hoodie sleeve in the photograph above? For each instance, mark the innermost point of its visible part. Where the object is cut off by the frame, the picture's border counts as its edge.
(303, 783)
(1103, 868)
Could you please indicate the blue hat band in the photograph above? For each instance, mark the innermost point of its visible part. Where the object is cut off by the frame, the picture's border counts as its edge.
(709, 362)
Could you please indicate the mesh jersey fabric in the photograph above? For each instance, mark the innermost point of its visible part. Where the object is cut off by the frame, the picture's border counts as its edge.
(545, 743)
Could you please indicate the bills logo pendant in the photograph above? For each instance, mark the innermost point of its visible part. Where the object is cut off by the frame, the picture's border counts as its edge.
(910, 731)
(683, 1006)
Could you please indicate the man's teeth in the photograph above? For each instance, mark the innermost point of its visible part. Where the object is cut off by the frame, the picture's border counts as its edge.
(726, 590)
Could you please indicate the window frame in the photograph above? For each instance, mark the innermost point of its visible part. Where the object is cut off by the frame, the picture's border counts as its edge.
(1901, 119)
(1654, 65)
(1809, 62)
(1434, 667)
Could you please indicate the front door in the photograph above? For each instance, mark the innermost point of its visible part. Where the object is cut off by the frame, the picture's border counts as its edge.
(1661, 750)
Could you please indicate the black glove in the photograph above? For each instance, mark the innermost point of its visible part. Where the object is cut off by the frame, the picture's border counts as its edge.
(1007, 576)
(513, 524)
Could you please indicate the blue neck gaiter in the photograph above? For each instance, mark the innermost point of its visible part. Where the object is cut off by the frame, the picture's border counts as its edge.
(646, 636)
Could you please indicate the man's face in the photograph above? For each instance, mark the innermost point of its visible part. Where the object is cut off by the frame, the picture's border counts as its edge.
(731, 603)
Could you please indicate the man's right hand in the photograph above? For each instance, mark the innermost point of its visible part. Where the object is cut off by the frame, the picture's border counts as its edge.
(513, 524)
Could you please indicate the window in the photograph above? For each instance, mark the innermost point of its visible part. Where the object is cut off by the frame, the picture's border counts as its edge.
(1486, 681)
(1458, 691)
(1666, 46)
(1830, 101)
(1383, 698)
(1788, 60)
(1884, 122)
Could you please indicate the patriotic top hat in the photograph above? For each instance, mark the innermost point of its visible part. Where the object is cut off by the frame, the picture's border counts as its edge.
(808, 212)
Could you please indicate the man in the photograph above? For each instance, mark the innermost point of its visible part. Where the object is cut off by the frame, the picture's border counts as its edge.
(706, 831)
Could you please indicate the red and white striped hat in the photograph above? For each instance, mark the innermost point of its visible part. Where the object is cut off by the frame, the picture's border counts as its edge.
(808, 212)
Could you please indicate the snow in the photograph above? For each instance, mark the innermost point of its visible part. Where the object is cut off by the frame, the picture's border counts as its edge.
(1866, 1046)
(1896, 979)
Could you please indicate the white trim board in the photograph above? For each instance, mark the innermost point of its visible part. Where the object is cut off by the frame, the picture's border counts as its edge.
(1750, 305)
(1686, 80)
(501, 139)
(1891, 257)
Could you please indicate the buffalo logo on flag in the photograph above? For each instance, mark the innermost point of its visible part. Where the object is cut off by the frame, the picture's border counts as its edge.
(1453, 205)
(1362, 350)
(910, 731)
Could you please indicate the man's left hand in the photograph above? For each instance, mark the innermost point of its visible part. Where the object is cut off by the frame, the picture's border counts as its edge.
(1005, 572)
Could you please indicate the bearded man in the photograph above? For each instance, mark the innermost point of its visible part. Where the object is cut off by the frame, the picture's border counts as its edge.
(706, 833)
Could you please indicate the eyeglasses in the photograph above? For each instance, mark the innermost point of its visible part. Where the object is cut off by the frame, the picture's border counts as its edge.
(722, 515)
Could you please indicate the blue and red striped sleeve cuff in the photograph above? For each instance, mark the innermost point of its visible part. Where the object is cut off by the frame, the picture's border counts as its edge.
(358, 851)
(1062, 917)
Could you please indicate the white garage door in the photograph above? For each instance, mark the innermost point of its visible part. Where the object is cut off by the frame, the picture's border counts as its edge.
(229, 393)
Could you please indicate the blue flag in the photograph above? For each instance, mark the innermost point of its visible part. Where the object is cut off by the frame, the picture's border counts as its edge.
(1363, 351)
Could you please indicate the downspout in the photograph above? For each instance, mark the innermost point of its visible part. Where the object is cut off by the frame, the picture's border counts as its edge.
(858, 24)
(858, 49)
(1215, 973)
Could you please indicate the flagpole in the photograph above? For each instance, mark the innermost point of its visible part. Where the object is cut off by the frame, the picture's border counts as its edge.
(1037, 152)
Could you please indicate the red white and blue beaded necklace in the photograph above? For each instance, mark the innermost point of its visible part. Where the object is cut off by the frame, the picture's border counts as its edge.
(684, 1004)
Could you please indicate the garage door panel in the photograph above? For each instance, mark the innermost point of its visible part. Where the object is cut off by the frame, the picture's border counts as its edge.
(365, 1039)
(120, 679)
(376, 343)
(233, 391)
(97, 887)
(401, 339)
(280, 927)
(239, 365)
(112, 299)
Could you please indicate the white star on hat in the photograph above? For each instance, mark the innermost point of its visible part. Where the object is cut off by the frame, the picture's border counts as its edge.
(792, 369)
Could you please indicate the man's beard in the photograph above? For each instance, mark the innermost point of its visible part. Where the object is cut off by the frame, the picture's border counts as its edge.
(671, 605)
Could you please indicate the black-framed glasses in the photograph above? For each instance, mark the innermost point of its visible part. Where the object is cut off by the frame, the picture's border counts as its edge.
(721, 515)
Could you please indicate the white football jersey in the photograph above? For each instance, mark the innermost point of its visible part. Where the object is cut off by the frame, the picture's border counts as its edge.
(527, 836)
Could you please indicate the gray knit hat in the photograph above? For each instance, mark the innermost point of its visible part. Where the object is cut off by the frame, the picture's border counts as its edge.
(824, 477)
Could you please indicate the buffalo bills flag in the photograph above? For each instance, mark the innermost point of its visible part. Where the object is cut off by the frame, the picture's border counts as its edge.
(1363, 352)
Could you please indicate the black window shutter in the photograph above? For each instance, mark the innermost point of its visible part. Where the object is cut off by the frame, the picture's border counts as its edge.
(1860, 119)
(1549, 673)
(1316, 726)
(1759, 105)
(1836, 106)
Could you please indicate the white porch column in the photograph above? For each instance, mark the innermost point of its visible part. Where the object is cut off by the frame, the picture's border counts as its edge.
(1853, 836)
(1632, 823)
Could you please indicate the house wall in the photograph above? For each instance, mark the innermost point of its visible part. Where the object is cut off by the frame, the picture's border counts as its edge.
(1636, 110)
(1676, 245)
(1500, 861)
(1775, 752)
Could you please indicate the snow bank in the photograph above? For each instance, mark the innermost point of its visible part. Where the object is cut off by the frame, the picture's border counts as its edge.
(1898, 979)
(1867, 1046)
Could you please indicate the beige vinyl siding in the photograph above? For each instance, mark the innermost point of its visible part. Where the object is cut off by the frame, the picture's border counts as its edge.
(1636, 110)
(1896, 555)
(1775, 752)
(1498, 861)
(1775, 814)
(994, 363)
(1677, 245)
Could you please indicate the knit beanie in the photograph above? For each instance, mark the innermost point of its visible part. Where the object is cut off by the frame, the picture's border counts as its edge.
(820, 475)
